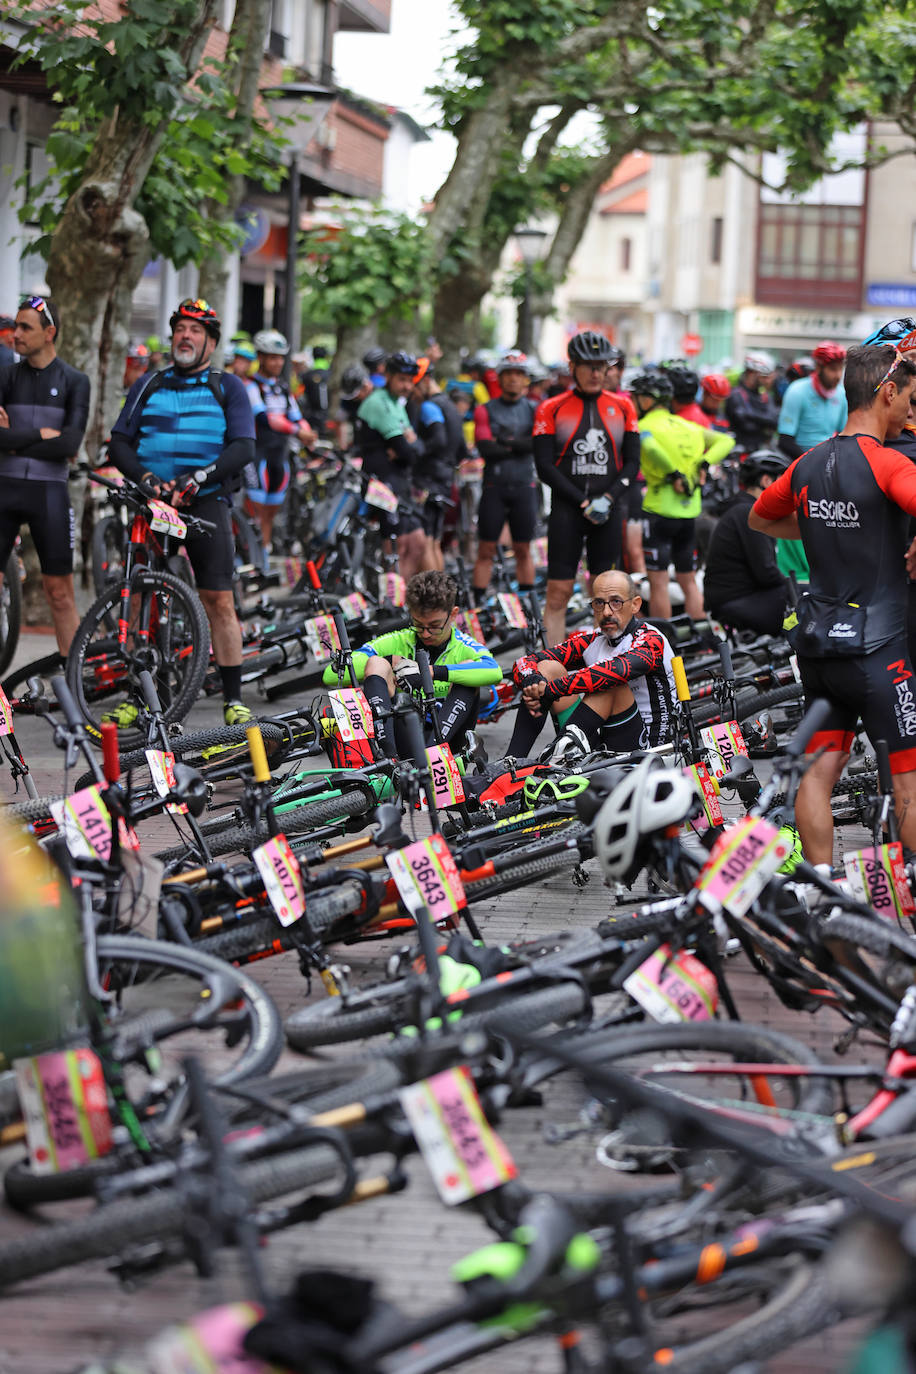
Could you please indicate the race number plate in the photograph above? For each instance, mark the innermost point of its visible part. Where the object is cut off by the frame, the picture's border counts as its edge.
(292, 570)
(85, 823)
(426, 876)
(381, 496)
(6, 714)
(448, 788)
(462, 1151)
(166, 520)
(352, 713)
(162, 772)
(723, 744)
(65, 1105)
(321, 636)
(706, 790)
(392, 588)
(673, 989)
(353, 606)
(511, 607)
(209, 1343)
(741, 864)
(469, 621)
(282, 877)
(878, 877)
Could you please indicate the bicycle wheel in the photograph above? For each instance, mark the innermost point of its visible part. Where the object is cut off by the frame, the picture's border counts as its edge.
(109, 546)
(242, 942)
(750, 703)
(302, 820)
(10, 612)
(101, 672)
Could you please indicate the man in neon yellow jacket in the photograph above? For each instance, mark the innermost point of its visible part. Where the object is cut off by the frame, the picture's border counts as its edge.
(460, 665)
(674, 456)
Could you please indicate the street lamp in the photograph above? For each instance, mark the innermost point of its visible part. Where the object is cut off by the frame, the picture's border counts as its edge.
(530, 241)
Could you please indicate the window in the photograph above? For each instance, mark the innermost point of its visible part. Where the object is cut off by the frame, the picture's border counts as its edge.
(626, 251)
(809, 254)
(715, 240)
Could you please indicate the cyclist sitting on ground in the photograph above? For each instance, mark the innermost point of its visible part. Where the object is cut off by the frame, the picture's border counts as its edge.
(460, 666)
(390, 449)
(277, 421)
(614, 679)
(188, 431)
(742, 585)
(503, 436)
(675, 454)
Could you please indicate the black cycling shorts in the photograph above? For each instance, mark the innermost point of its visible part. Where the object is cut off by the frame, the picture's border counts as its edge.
(45, 508)
(267, 479)
(212, 555)
(667, 541)
(878, 688)
(516, 502)
(568, 529)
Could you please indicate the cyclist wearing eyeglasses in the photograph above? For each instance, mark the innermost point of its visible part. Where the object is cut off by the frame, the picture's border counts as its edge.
(586, 448)
(189, 431)
(614, 679)
(44, 409)
(848, 500)
(460, 665)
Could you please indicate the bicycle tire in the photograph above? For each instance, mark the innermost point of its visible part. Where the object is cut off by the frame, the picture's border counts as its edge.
(877, 937)
(190, 746)
(193, 656)
(750, 703)
(10, 612)
(241, 942)
(34, 809)
(302, 820)
(547, 865)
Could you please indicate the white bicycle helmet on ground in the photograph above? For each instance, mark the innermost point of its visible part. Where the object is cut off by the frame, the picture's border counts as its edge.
(647, 801)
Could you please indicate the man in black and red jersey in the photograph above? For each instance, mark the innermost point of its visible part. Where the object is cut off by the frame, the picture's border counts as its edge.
(44, 409)
(586, 449)
(615, 678)
(848, 499)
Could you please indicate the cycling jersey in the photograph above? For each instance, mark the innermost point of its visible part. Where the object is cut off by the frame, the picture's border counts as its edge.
(585, 446)
(440, 429)
(276, 415)
(753, 415)
(809, 417)
(695, 413)
(503, 436)
(640, 658)
(852, 497)
(37, 398)
(460, 661)
(670, 446)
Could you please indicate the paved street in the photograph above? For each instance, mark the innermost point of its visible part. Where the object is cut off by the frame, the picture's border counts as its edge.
(54, 1325)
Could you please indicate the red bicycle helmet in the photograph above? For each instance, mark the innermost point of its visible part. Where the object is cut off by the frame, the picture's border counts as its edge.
(829, 352)
(198, 310)
(716, 385)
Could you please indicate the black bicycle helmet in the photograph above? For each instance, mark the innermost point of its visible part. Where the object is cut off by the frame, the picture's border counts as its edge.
(652, 382)
(761, 461)
(351, 379)
(374, 358)
(617, 357)
(685, 382)
(589, 347)
(402, 362)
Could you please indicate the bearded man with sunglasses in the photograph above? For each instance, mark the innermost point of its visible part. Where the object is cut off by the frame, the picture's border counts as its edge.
(612, 682)
(44, 409)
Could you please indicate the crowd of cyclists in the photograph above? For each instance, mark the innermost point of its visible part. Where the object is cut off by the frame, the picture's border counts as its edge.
(766, 511)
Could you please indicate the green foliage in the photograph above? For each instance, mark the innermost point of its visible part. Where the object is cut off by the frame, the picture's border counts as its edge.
(130, 69)
(376, 269)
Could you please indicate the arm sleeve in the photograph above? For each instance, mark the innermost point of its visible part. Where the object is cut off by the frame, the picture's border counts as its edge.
(381, 647)
(487, 446)
(718, 445)
(405, 452)
(479, 669)
(569, 654)
(76, 417)
(550, 474)
(645, 656)
(654, 458)
(789, 446)
(760, 553)
(123, 455)
(895, 475)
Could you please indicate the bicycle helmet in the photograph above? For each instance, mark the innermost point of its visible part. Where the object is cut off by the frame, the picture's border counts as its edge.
(650, 799)
(798, 368)
(829, 352)
(762, 461)
(715, 384)
(374, 358)
(138, 350)
(617, 357)
(402, 362)
(351, 379)
(684, 382)
(200, 311)
(243, 349)
(514, 361)
(589, 347)
(901, 333)
(652, 381)
(759, 362)
(271, 341)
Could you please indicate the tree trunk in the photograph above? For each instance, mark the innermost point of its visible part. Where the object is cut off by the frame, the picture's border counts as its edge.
(247, 40)
(456, 308)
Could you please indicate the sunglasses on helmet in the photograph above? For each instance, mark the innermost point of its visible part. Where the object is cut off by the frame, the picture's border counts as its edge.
(901, 333)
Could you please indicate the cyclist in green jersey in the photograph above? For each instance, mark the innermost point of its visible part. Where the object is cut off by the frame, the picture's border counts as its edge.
(460, 665)
(674, 456)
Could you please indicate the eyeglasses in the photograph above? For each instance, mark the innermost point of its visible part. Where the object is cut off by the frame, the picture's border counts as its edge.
(598, 603)
(898, 358)
(428, 629)
(36, 303)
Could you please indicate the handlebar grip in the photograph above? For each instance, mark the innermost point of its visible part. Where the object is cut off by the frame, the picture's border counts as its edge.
(67, 704)
(815, 716)
(111, 760)
(426, 672)
(725, 658)
(680, 678)
(258, 753)
(150, 695)
(340, 621)
(313, 577)
(883, 760)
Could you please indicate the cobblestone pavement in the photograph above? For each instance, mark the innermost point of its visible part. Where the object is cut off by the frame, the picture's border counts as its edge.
(407, 1242)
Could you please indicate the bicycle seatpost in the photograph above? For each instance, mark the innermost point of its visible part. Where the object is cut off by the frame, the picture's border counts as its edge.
(887, 816)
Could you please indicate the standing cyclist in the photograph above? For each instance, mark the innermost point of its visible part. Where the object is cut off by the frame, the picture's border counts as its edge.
(503, 438)
(44, 408)
(586, 448)
(390, 449)
(814, 407)
(277, 420)
(189, 430)
(750, 409)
